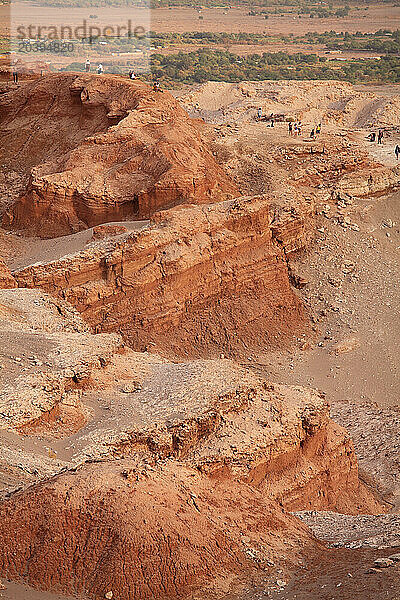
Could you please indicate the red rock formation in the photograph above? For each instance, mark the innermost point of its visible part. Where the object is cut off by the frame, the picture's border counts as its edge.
(200, 280)
(6, 279)
(143, 533)
(195, 500)
(102, 149)
(102, 232)
(184, 484)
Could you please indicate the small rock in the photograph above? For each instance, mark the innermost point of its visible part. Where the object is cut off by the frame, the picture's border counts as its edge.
(372, 570)
(109, 595)
(346, 346)
(394, 557)
(334, 282)
(383, 563)
(131, 388)
(348, 266)
(387, 223)
(281, 583)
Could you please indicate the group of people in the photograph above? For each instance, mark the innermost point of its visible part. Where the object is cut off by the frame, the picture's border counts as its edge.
(295, 128)
(316, 131)
(131, 74)
(373, 137)
(100, 69)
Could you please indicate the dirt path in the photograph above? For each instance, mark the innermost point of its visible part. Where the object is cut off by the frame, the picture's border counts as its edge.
(343, 575)
(382, 153)
(19, 591)
(20, 252)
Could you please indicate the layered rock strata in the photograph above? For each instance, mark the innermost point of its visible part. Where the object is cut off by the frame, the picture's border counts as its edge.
(6, 279)
(197, 281)
(177, 481)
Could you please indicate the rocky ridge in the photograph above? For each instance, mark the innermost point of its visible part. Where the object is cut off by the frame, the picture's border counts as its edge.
(153, 468)
(197, 281)
(102, 149)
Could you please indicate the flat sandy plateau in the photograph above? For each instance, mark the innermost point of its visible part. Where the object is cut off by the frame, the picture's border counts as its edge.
(187, 19)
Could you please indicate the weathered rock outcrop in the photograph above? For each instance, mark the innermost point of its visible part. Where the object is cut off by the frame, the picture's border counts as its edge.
(181, 484)
(6, 279)
(198, 281)
(102, 149)
(369, 180)
(158, 533)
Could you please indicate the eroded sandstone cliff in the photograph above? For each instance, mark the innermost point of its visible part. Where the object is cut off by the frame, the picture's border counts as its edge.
(6, 279)
(102, 149)
(177, 479)
(197, 281)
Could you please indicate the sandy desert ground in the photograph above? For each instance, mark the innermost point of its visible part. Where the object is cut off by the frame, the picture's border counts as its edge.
(186, 19)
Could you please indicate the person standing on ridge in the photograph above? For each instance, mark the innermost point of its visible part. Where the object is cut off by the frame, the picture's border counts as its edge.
(259, 113)
(100, 69)
(397, 151)
(87, 65)
(15, 71)
(380, 137)
(290, 128)
(318, 129)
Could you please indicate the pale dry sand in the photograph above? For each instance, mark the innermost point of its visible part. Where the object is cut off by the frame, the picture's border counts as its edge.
(19, 591)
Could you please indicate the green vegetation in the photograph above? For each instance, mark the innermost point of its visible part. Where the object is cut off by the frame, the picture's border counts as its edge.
(220, 65)
(382, 41)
